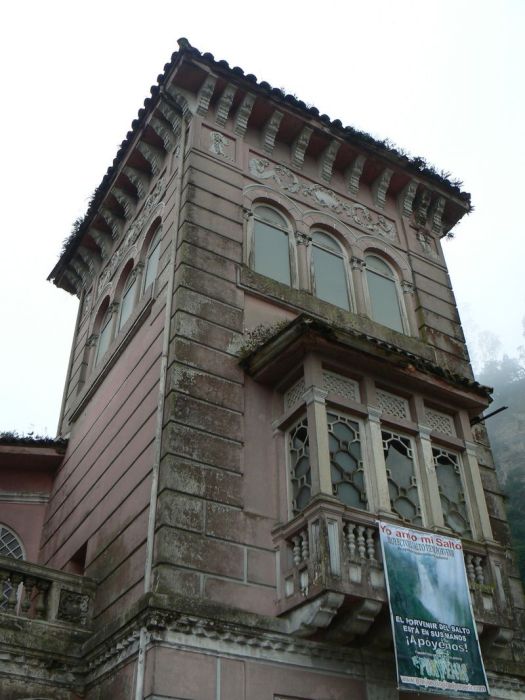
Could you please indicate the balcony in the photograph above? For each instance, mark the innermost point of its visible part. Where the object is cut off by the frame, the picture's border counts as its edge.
(332, 579)
(36, 592)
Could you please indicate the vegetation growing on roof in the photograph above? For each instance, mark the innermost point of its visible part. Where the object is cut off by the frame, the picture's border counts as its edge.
(13, 437)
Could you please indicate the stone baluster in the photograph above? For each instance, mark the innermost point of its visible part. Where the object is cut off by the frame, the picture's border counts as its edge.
(370, 545)
(25, 602)
(42, 588)
(478, 568)
(469, 565)
(14, 580)
(361, 543)
(350, 539)
(305, 553)
(297, 550)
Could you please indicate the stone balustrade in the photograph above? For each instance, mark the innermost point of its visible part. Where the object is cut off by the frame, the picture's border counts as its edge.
(40, 593)
(330, 550)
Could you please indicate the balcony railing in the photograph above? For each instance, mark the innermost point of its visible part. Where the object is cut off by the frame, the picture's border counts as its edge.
(37, 592)
(331, 549)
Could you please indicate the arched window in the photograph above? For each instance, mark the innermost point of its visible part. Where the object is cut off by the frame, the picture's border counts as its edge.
(271, 244)
(152, 260)
(330, 280)
(127, 301)
(384, 294)
(105, 334)
(10, 545)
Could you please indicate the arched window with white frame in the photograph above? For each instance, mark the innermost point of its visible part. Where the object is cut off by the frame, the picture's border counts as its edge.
(272, 239)
(385, 299)
(10, 544)
(151, 262)
(329, 271)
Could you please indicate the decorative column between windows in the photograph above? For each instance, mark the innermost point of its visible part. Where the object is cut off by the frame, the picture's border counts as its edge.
(303, 241)
(358, 268)
(315, 400)
(379, 495)
(410, 307)
(430, 486)
(474, 485)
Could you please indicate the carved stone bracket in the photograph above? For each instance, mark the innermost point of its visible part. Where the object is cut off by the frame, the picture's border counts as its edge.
(436, 215)
(422, 205)
(243, 114)
(81, 269)
(380, 187)
(125, 201)
(224, 104)
(164, 132)
(357, 214)
(74, 280)
(405, 199)
(137, 178)
(111, 220)
(90, 258)
(154, 156)
(103, 240)
(317, 614)
(356, 622)
(327, 160)
(300, 145)
(205, 95)
(407, 287)
(353, 174)
(170, 115)
(270, 131)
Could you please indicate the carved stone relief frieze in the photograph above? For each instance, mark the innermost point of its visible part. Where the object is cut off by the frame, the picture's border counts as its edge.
(218, 144)
(427, 244)
(73, 607)
(357, 214)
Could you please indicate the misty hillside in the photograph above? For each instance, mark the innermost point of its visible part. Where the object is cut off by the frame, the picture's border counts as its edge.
(507, 437)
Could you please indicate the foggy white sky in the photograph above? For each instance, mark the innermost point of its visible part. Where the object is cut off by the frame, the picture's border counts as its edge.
(443, 80)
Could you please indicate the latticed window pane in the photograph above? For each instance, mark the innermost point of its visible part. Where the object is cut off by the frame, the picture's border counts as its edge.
(346, 465)
(104, 338)
(301, 475)
(402, 483)
(451, 491)
(9, 544)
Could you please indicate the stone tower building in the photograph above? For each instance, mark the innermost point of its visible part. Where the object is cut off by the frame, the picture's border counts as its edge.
(267, 358)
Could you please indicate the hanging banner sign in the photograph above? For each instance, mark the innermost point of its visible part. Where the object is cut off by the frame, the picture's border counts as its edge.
(435, 637)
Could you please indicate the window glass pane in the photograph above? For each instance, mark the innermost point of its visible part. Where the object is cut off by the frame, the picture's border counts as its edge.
(326, 241)
(451, 493)
(271, 253)
(384, 301)
(402, 484)
(127, 303)
(330, 278)
(270, 216)
(378, 265)
(104, 337)
(300, 466)
(346, 466)
(152, 263)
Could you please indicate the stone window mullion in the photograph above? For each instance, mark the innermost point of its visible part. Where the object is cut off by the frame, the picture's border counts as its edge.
(429, 482)
(315, 400)
(378, 493)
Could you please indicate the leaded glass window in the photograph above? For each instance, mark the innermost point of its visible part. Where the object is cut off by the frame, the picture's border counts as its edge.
(451, 492)
(300, 470)
(383, 293)
(402, 482)
(329, 270)
(346, 465)
(271, 248)
(9, 544)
